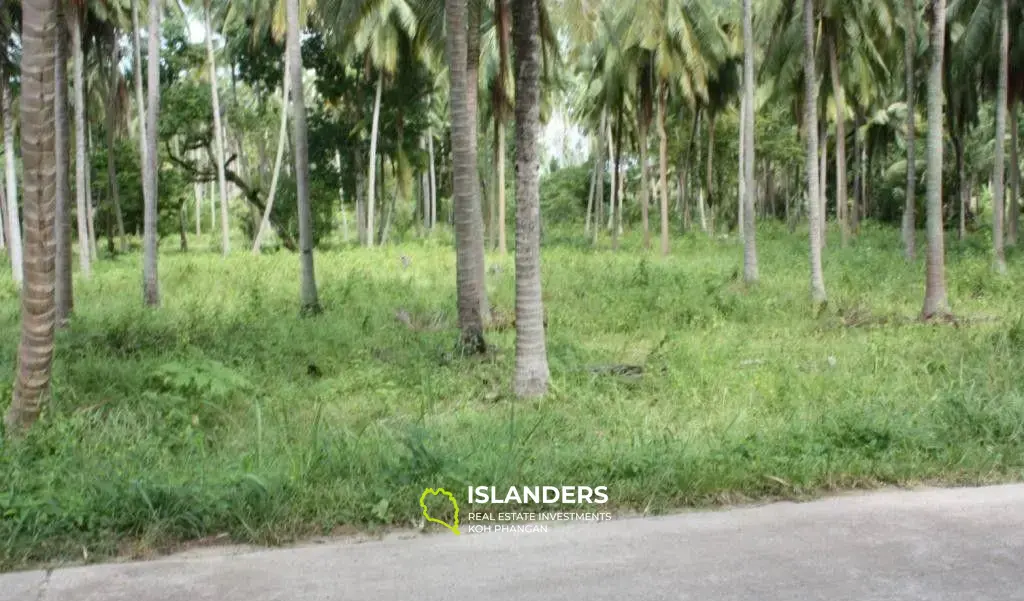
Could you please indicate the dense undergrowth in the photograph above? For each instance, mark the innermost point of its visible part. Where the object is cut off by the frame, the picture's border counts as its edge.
(226, 412)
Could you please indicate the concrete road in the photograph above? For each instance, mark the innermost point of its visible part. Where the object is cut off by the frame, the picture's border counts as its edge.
(956, 545)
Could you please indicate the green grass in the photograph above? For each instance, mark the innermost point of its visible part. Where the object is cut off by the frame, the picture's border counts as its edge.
(202, 418)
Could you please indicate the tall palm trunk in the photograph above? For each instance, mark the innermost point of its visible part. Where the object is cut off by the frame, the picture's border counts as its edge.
(372, 180)
(935, 303)
(616, 218)
(89, 206)
(599, 169)
(909, 51)
(750, 274)
(64, 290)
(964, 191)
(17, 259)
(709, 187)
(531, 372)
(502, 22)
(663, 164)
(472, 77)
(466, 214)
(842, 209)
(309, 300)
(115, 192)
(38, 312)
(999, 164)
(81, 208)
(1014, 220)
(218, 135)
(645, 193)
(499, 153)
(151, 283)
(701, 204)
(433, 178)
(282, 135)
(810, 122)
(823, 186)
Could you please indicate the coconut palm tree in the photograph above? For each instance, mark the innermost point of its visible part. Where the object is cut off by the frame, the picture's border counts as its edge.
(218, 131)
(810, 124)
(468, 217)
(151, 283)
(38, 315)
(77, 18)
(910, 19)
(750, 274)
(11, 178)
(64, 287)
(531, 371)
(935, 302)
(999, 164)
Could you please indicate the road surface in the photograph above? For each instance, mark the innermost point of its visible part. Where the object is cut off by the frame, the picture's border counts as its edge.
(956, 545)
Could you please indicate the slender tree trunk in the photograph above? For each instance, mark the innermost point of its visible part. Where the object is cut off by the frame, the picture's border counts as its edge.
(645, 201)
(151, 285)
(531, 371)
(115, 192)
(90, 206)
(740, 181)
(602, 138)
(842, 209)
(64, 290)
(38, 311)
(964, 191)
(750, 273)
(701, 192)
(593, 188)
(999, 164)
(17, 259)
(472, 76)
(218, 138)
(810, 122)
(823, 174)
(372, 179)
(197, 189)
(909, 51)
(82, 211)
(282, 135)
(433, 179)
(310, 302)
(468, 238)
(500, 152)
(1014, 221)
(663, 160)
(710, 185)
(935, 303)
(617, 193)
(613, 191)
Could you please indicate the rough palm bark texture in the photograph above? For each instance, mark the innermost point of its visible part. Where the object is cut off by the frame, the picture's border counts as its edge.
(999, 163)
(531, 373)
(467, 214)
(81, 159)
(38, 309)
(309, 300)
(818, 296)
(935, 303)
(472, 76)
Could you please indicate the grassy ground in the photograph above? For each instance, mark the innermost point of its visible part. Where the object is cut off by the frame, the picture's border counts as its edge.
(225, 412)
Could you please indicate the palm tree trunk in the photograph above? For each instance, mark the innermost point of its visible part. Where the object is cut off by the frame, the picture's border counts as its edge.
(531, 371)
(597, 187)
(750, 274)
(617, 191)
(151, 284)
(710, 185)
(115, 193)
(909, 51)
(309, 299)
(90, 206)
(823, 174)
(17, 267)
(999, 164)
(644, 180)
(218, 137)
(433, 179)
(64, 290)
(663, 160)
(1014, 221)
(372, 180)
(282, 135)
(700, 192)
(500, 154)
(935, 303)
(466, 213)
(472, 77)
(38, 312)
(810, 122)
(964, 188)
(740, 181)
(82, 211)
(842, 210)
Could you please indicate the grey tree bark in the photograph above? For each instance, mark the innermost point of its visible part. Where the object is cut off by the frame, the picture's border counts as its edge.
(282, 135)
(531, 371)
(999, 163)
(81, 208)
(151, 283)
(372, 180)
(17, 258)
(750, 272)
(935, 301)
(810, 121)
(218, 137)
(310, 302)
(842, 208)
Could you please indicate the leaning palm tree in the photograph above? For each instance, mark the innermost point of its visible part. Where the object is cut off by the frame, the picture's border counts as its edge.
(35, 352)
(310, 302)
(935, 302)
(468, 217)
(531, 372)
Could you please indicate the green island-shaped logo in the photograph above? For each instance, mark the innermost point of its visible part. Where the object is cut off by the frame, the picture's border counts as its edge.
(454, 527)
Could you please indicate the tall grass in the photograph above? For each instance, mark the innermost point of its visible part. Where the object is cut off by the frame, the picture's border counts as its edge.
(226, 412)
